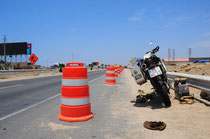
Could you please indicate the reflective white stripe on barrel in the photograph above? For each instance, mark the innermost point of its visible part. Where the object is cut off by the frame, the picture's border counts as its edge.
(110, 78)
(110, 71)
(74, 82)
(79, 101)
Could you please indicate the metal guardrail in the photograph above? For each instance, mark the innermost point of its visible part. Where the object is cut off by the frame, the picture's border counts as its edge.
(197, 81)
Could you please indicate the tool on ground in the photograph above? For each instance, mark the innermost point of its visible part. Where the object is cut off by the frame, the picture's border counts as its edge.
(205, 95)
(187, 100)
(181, 88)
(155, 125)
(75, 102)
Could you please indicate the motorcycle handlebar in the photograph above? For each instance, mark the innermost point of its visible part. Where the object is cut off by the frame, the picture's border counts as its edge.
(155, 50)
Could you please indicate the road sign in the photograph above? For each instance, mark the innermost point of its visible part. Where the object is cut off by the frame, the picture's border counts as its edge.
(33, 58)
(130, 61)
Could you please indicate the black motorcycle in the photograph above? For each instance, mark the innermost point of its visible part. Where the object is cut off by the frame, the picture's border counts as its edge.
(152, 68)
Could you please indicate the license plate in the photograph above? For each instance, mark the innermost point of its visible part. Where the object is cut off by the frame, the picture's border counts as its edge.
(155, 72)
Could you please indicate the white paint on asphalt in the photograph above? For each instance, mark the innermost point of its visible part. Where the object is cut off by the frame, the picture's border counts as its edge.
(43, 101)
(10, 115)
(11, 86)
(97, 78)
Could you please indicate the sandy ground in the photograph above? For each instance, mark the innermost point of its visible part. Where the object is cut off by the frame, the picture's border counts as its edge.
(197, 69)
(34, 75)
(28, 76)
(182, 120)
(115, 117)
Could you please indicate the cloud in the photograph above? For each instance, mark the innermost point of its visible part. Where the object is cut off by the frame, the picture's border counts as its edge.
(207, 34)
(137, 17)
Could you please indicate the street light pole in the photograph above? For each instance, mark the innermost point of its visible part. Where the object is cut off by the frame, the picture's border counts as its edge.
(5, 48)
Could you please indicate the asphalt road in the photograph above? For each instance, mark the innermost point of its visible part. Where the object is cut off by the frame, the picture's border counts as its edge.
(20, 94)
(109, 104)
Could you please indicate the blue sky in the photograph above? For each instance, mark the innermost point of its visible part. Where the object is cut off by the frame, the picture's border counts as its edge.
(108, 31)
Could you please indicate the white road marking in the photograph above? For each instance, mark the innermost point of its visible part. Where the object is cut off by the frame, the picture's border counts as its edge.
(96, 78)
(43, 101)
(11, 86)
(10, 115)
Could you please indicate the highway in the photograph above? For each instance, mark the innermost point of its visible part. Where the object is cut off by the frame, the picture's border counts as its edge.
(30, 108)
(20, 94)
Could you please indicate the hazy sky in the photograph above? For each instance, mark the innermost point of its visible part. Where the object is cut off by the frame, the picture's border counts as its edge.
(108, 31)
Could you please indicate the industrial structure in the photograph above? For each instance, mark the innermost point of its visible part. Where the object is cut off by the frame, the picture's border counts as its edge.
(184, 61)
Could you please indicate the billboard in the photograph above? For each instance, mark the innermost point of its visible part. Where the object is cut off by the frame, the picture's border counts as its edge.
(29, 49)
(95, 63)
(19, 48)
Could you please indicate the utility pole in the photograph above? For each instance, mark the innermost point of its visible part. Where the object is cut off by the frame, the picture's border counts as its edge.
(5, 48)
(173, 55)
(47, 64)
(190, 53)
(169, 56)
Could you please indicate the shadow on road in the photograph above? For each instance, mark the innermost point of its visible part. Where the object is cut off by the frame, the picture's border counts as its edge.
(155, 103)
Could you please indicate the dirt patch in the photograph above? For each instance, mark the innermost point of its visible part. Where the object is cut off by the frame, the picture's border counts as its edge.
(197, 69)
(27, 76)
(182, 120)
(55, 127)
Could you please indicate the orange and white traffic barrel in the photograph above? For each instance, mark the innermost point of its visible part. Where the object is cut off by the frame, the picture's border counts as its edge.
(75, 99)
(110, 75)
(121, 69)
(116, 72)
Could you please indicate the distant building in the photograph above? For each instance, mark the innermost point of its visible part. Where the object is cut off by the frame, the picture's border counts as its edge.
(176, 61)
(23, 66)
(199, 58)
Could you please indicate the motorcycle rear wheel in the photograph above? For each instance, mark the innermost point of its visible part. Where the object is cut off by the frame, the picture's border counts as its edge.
(162, 90)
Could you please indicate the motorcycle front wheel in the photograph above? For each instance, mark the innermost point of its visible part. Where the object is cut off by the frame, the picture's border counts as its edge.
(162, 90)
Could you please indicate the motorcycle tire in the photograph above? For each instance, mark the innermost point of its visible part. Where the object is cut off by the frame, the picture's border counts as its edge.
(162, 89)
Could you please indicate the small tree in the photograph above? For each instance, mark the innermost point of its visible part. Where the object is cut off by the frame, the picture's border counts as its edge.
(61, 66)
(91, 66)
(102, 66)
(7, 65)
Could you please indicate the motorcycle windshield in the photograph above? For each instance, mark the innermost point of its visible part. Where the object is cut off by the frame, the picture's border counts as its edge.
(148, 55)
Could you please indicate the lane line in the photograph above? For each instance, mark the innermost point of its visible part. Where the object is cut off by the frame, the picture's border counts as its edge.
(12, 114)
(96, 79)
(43, 101)
(11, 86)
